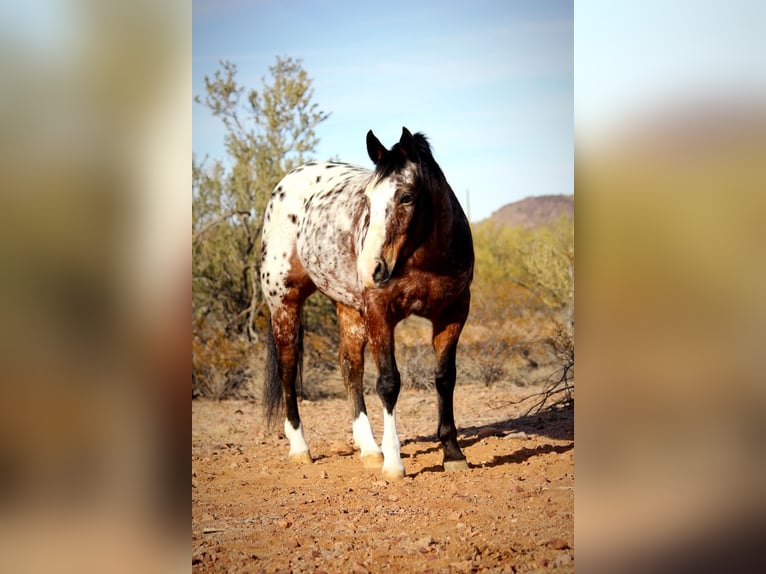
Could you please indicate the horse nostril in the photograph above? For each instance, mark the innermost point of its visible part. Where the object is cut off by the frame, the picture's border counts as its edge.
(381, 273)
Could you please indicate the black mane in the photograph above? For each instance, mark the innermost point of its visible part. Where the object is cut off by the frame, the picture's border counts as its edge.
(395, 159)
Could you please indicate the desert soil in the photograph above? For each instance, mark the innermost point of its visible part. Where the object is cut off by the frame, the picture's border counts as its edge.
(511, 511)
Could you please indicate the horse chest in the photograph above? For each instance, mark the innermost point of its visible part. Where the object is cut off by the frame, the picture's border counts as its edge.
(417, 293)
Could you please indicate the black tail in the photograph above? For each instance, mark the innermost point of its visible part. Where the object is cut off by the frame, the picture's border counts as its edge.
(273, 398)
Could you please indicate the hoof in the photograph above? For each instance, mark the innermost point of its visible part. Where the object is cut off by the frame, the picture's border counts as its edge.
(393, 474)
(455, 465)
(372, 459)
(301, 457)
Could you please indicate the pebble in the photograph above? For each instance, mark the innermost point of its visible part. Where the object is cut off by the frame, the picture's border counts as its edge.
(423, 545)
(557, 544)
(341, 448)
(487, 432)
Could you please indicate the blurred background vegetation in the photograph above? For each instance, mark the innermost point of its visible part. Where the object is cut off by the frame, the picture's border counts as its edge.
(521, 327)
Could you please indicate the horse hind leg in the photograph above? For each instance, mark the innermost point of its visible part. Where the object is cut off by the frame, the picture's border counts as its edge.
(284, 367)
(351, 357)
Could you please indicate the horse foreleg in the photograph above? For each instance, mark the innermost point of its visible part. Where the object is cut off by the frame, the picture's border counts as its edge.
(352, 342)
(381, 337)
(446, 333)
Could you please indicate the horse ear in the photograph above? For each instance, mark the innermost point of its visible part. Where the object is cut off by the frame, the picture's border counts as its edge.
(407, 145)
(375, 149)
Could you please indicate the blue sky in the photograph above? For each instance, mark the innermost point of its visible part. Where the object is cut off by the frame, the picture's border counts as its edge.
(490, 82)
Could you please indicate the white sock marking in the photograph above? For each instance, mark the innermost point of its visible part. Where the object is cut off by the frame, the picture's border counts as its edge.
(363, 437)
(390, 445)
(295, 436)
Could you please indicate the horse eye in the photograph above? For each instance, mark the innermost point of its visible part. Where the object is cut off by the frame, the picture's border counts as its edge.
(405, 198)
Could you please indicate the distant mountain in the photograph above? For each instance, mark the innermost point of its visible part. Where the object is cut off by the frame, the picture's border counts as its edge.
(534, 211)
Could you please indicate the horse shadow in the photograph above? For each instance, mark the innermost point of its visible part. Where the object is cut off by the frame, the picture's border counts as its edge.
(557, 424)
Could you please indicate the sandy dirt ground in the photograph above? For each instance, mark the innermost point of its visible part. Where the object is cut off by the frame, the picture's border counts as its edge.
(511, 511)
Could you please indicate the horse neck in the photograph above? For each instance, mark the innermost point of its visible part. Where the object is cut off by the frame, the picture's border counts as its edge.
(446, 215)
(444, 212)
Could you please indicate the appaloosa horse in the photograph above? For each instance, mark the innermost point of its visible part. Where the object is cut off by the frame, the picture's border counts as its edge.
(382, 245)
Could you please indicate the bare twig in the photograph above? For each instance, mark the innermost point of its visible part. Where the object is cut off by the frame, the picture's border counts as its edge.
(217, 221)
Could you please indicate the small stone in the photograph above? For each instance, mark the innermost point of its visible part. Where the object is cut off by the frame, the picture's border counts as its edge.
(423, 544)
(324, 474)
(340, 448)
(557, 544)
(487, 432)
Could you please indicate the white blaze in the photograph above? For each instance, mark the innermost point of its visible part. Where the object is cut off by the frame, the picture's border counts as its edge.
(381, 197)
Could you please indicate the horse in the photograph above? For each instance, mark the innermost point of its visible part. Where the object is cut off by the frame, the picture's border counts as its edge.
(382, 244)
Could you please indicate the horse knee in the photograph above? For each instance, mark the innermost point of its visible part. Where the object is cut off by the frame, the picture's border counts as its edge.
(388, 390)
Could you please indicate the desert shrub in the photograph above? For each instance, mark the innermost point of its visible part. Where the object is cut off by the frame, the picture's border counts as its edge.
(521, 326)
(268, 132)
(223, 365)
(416, 364)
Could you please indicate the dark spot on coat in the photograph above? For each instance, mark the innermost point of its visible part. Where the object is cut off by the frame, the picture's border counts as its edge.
(319, 178)
(281, 195)
(331, 165)
(293, 218)
(273, 292)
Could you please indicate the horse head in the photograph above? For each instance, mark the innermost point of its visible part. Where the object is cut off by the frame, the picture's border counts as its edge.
(396, 199)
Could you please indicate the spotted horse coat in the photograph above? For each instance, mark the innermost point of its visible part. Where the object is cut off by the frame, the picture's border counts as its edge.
(382, 244)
